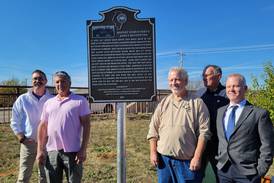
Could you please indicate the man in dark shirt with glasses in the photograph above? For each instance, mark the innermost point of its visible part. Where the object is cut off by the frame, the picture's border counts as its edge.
(214, 97)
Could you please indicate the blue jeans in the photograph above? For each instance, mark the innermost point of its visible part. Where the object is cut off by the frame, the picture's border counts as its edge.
(172, 170)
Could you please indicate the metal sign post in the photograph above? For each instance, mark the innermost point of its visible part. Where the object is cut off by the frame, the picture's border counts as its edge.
(121, 138)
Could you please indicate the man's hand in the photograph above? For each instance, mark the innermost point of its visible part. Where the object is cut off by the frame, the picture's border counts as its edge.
(81, 156)
(40, 157)
(28, 141)
(153, 152)
(195, 164)
(154, 159)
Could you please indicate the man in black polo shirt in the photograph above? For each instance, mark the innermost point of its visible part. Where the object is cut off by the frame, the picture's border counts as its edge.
(214, 97)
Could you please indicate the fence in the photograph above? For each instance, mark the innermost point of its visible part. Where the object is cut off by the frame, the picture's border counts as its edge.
(8, 95)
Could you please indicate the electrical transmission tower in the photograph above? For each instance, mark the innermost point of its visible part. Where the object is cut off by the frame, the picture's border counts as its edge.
(181, 54)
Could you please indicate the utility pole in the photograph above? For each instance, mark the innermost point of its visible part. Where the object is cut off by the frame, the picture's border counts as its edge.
(181, 54)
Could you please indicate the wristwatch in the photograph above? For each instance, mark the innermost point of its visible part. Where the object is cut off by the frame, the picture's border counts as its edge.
(22, 139)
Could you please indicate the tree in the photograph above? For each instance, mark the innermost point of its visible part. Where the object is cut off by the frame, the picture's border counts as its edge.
(9, 94)
(262, 95)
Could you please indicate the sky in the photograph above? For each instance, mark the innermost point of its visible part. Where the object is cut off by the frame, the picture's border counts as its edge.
(51, 35)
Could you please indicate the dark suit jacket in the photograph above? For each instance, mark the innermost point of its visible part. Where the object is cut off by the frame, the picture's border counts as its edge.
(250, 145)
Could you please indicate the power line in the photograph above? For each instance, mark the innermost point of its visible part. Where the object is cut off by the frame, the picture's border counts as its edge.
(219, 50)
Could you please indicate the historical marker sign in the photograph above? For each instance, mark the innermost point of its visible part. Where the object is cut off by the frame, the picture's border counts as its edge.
(121, 52)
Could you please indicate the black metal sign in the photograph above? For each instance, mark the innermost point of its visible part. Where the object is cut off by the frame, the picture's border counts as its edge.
(121, 53)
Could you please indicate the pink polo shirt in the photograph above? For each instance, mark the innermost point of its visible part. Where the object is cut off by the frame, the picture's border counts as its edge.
(63, 118)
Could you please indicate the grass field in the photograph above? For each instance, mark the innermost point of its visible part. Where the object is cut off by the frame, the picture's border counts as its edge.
(100, 165)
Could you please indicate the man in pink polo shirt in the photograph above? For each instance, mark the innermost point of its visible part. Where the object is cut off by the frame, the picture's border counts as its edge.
(64, 130)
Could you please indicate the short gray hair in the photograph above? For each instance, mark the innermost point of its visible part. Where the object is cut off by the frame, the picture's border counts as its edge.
(181, 71)
(241, 78)
(62, 74)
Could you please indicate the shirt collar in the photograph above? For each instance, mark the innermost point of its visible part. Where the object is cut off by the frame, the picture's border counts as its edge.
(218, 89)
(68, 97)
(241, 104)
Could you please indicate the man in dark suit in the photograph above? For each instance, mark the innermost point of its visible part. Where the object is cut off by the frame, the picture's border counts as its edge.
(245, 137)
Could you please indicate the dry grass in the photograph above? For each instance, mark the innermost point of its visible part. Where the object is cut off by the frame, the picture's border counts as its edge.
(102, 154)
(100, 166)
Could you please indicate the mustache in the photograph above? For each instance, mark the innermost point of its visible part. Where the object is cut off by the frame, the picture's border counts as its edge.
(38, 83)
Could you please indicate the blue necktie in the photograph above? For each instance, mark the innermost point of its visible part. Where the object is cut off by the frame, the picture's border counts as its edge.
(231, 122)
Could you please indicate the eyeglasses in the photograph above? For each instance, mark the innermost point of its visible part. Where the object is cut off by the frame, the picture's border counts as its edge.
(206, 75)
(38, 78)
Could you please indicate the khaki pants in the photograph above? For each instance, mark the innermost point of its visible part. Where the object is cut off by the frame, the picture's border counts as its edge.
(27, 160)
